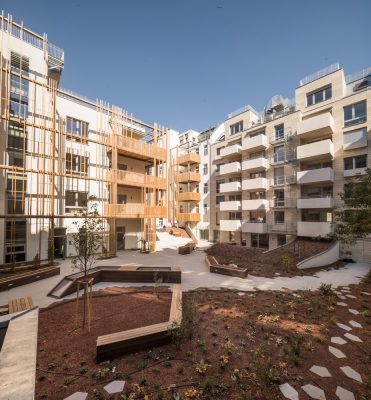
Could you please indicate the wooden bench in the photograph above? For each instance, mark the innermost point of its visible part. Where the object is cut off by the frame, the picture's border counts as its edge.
(187, 248)
(223, 269)
(20, 304)
(119, 343)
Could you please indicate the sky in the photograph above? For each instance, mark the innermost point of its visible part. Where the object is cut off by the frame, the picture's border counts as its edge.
(186, 64)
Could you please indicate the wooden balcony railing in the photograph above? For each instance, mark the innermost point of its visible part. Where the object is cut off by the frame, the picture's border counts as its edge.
(137, 148)
(188, 217)
(188, 177)
(135, 210)
(188, 196)
(136, 179)
(189, 158)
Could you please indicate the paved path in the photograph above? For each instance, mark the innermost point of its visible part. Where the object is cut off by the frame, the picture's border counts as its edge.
(194, 274)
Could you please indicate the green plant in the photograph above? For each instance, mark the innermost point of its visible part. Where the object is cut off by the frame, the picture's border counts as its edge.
(101, 374)
(326, 289)
(287, 261)
(98, 394)
(202, 367)
(51, 366)
(83, 370)
(69, 380)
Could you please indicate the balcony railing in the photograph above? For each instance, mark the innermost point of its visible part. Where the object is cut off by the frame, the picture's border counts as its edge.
(254, 205)
(135, 210)
(230, 205)
(230, 187)
(230, 168)
(230, 225)
(283, 203)
(138, 148)
(315, 176)
(319, 74)
(188, 217)
(315, 150)
(255, 227)
(255, 142)
(281, 137)
(313, 229)
(280, 158)
(283, 180)
(255, 184)
(318, 125)
(259, 163)
(189, 158)
(188, 177)
(315, 202)
(136, 179)
(231, 150)
(188, 196)
(282, 228)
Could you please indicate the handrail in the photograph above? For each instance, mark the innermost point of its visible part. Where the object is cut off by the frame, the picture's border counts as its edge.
(137, 146)
(136, 178)
(319, 74)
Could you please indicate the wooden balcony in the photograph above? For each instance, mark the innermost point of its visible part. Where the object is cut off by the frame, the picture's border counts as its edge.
(188, 196)
(189, 158)
(136, 179)
(188, 217)
(135, 210)
(188, 177)
(137, 149)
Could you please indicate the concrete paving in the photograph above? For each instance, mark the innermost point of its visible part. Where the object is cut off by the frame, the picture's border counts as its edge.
(194, 273)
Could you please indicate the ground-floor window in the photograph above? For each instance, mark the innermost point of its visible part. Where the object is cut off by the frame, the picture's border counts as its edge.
(216, 236)
(15, 241)
(232, 236)
(260, 240)
(281, 240)
(204, 234)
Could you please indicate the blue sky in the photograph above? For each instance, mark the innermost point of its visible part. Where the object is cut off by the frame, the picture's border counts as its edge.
(187, 63)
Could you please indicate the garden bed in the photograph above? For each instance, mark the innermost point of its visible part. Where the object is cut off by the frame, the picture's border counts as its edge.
(272, 263)
(231, 346)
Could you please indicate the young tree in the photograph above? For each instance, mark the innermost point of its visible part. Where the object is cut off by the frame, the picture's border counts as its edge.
(353, 218)
(87, 241)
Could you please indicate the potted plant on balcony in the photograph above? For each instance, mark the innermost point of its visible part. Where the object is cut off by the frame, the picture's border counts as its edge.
(144, 246)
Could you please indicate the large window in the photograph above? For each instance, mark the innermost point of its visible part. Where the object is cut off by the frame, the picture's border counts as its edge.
(355, 113)
(279, 154)
(206, 188)
(17, 136)
(205, 169)
(236, 128)
(319, 95)
(260, 240)
(355, 162)
(219, 199)
(77, 128)
(206, 150)
(76, 164)
(75, 200)
(15, 241)
(279, 217)
(279, 131)
(19, 87)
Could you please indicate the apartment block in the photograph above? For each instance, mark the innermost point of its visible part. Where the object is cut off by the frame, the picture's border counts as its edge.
(58, 149)
(278, 173)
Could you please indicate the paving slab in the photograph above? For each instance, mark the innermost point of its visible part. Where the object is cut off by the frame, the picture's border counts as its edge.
(338, 340)
(353, 311)
(289, 392)
(366, 293)
(355, 324)
(115, 387)
(350, 296)
(341, 303)
(323, 372)
(336, 352)
(351, 373)
(314, 392)
(77, 396)
(342, 297)
(344, 394)
(343, 326)
(353, 338)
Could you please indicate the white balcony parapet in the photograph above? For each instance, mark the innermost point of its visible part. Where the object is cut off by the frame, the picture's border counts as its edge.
(230, 150)
(230, 225)
(315, 150)
(255, 142)
(255, 227)
(255, 184)
(319, 124)
(315, 202)
(230, 168)
(230, 187)
(313, 229)
(255, 164)
(230, 206)
(256, 204)
(354, 172)
(282, 228)
(315, 176)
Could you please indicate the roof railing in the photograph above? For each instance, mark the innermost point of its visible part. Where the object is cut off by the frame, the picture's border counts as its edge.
(319, 74)
(358, 75)
(242, 110)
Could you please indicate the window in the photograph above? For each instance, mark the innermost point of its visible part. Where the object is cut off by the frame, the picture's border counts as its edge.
(218, 167)
(15, 204)
(19, 87)
(355, 162)
(279, 154)
(260, 240)
(235, 216)
(319, 95)
(206, 150)
(205, 169)
(76, 164)
(281, 240)
(219, 199)
(205, 208)
(217, 218)
(355, 113)
(279, 217)
(122, 199)
(123, 167)
(235, 197)
(17, 136)
(279, 198)
(232, 236)
(75, 200)
(77, 127)
(206, 188)
(355, 139)
(236, 128)
(279, 131)
(218, 150)
(218, 183)
(15, 241)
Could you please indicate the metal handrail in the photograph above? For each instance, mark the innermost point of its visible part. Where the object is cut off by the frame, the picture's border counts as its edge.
(319, 74)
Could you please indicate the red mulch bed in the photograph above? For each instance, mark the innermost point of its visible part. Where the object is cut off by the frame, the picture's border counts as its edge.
(251, 344)
(268, 264)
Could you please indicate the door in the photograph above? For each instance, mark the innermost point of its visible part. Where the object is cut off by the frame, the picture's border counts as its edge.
(120, 238)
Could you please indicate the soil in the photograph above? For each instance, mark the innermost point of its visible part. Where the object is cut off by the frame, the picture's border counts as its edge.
(270, 264)
(231, 345)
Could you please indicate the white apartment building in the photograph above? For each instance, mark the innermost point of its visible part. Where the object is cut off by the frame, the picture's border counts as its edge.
(278, 173)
